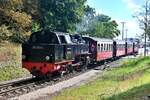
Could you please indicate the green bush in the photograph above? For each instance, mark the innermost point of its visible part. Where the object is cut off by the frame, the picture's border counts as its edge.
(4, 33)
(17, 38)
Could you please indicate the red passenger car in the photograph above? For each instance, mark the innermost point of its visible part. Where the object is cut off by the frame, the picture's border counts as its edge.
(102, 49)
(120, 48)
(130, 48)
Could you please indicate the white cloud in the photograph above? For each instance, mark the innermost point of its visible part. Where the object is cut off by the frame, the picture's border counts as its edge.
(133, 26)
(131, 5)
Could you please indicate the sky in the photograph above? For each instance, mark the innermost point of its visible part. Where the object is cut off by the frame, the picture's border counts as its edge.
(121, 11)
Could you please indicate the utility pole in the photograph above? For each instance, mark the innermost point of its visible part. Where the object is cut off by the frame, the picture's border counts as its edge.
(146, 25)
(126, 34)
(123, 24)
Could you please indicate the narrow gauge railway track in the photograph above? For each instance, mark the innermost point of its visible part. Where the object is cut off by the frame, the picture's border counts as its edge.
(7, 84)
(5, 88)
(14, 89)
(21, 87)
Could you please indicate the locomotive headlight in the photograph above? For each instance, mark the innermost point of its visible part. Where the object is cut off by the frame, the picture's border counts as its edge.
(23, 57)
(47, 58)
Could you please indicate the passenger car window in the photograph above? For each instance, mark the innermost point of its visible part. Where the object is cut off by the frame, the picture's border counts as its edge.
(104, 47)
(98, 47)
(101, 47)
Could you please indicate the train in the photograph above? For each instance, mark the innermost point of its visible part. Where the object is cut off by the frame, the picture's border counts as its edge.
(48, 52)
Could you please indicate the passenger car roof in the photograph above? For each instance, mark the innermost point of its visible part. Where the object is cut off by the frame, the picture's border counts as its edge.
(120, 41)
(99, 39)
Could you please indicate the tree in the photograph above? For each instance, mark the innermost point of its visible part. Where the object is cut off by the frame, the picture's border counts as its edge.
(20, 17)
(13, 20)
(87, 20)
(60, 15)
(23, 16)
(143, 16)
(32, 7)
(102, 26)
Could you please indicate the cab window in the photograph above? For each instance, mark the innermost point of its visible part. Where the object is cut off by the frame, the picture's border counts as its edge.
(62, 39)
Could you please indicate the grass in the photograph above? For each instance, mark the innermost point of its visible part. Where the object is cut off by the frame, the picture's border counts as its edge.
(131, 81)
(10, 62)
(12, 72)
(10, 54)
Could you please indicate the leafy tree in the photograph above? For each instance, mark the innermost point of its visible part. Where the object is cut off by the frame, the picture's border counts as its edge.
(61, 15)
(4, 33)
(143, 16)
(12, 17)
(19, 17)
(22, 16)
(87, 20)
(102, 26)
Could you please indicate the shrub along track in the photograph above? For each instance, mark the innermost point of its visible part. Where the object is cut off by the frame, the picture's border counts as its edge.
(21, 87)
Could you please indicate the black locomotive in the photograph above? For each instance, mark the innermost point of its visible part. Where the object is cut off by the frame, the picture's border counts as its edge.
(47, 52)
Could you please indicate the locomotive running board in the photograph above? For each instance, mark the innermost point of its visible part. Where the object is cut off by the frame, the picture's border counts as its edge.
(76, 64)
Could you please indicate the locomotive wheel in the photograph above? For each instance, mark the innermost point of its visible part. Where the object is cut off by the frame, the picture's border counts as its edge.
(78, 68)
(48, 75)
(70, 68)
(65, 71)
(86, 63)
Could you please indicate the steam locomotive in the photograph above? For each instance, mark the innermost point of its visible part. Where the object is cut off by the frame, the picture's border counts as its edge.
(48, 52)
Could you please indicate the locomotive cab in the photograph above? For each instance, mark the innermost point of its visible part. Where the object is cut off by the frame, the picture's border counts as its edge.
(41, 47)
